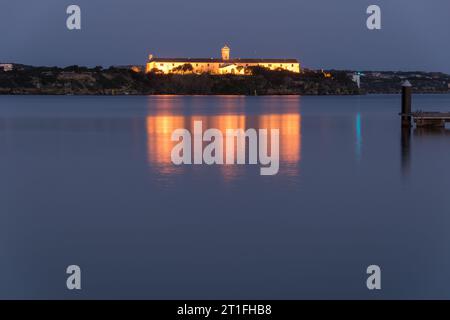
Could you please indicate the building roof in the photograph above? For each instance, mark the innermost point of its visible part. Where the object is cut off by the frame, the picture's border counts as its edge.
(214, 60)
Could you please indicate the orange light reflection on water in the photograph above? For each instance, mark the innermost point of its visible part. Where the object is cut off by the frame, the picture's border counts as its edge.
(160, 128)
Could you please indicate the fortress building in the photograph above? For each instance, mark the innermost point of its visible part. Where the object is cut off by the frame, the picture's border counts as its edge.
(225, 65)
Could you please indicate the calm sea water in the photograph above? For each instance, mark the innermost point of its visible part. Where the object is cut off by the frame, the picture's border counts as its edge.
(89, 181)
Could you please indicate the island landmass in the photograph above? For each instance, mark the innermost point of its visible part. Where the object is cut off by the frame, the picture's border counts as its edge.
(132, 80)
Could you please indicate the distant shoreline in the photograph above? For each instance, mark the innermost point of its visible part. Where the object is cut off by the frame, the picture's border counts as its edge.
(75, 80)
(218, 95)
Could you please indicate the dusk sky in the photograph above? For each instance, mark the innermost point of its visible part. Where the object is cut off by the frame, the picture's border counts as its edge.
(320, 33)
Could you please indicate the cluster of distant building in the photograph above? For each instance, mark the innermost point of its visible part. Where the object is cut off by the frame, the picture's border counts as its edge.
(383, 81)
(6, 67)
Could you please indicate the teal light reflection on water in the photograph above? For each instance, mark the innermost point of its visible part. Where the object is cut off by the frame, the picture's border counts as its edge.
(358, 136)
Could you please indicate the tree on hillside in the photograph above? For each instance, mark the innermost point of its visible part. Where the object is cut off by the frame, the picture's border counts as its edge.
(185, 68)
(156, 71)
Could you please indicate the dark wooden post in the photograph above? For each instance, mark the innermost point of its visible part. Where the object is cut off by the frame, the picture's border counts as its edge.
(406, 104)
(406, 149)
